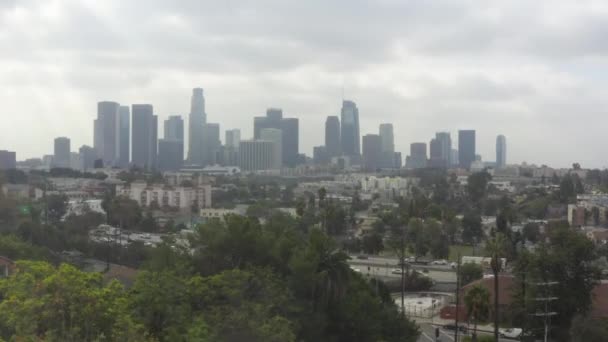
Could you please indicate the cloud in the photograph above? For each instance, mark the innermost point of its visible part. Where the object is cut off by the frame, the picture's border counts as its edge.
(530, 70)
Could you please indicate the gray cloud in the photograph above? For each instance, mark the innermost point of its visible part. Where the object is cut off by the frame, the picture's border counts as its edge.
(529, 70)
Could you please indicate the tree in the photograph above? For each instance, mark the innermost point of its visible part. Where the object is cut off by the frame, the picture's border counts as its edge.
(123, 212)
(477, 185)
(57, 206)
(496, 248)
(477, 301)
(588, 329)
(531, 232)
(469, 272)
(372, 243)
(471, 227)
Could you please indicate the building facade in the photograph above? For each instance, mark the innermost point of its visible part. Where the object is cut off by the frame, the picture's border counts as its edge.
(332, 136)
(107, 132)
(276, 137)
(256, 155)
(8, 160)
(145, 137)
(372, 152)
(184, 198)
(124, 143)
(62, 153)
(417, 158)
(350, 136)
(196, 120)
(466, 148)
(501, 151)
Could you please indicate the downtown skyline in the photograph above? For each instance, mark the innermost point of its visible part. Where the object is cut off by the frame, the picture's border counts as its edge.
(418, 73)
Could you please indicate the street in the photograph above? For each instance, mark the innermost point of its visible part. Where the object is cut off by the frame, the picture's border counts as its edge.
(427, 334)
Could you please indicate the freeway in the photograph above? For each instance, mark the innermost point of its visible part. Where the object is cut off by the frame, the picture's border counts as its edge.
(386, 271)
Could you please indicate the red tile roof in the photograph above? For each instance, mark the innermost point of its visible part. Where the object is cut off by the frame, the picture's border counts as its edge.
(505, 288)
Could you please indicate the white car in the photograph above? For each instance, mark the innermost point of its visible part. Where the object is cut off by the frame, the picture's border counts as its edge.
(510, 332)
(396, 271)
(439, 262)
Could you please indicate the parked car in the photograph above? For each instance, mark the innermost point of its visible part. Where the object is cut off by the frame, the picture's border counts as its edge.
(453, 265)
(362, 257)
(396, 271)
(442, 262)
(452, 327)
(510, 332)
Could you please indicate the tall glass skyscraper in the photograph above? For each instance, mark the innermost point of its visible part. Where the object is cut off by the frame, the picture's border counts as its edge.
(466, 148)
(125, 136)
(196, 120)
(332, 136)
(501, 151)
(145, 136)
(350, 135)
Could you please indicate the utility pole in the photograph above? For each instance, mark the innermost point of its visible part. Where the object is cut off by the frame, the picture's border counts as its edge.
(545, 300)
(402, 263)
(457, 297)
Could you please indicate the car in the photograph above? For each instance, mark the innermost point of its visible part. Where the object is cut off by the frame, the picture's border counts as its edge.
(362, 257)
(510, 332)
(439, 262)
(450, 326)
(453, 265)
(396, 271)
(355, 269)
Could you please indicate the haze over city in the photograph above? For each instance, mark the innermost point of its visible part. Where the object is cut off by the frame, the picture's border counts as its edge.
(530, 71)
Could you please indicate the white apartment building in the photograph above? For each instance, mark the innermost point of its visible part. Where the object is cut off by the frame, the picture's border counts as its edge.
(171, 196)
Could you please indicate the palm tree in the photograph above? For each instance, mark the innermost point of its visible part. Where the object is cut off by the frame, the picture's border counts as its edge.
(477, 301)
(332, 271)
(496, 248)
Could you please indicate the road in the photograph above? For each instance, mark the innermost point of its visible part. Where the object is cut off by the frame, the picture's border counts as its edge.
(386, 271)
(427, 334)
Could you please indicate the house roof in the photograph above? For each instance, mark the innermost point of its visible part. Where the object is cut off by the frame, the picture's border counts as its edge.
(505, 287)
(125, 275)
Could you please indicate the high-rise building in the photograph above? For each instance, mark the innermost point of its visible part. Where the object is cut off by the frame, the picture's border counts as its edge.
(417, 158)
(435, 157)
(145, 136)
(398, 160)
(107, 133)
(211, 143)
(466, 148)
(320, 156)
(87, 157)
(61, 156)
(174, 131)
(273, 119)
(8, 160)
(332, 136)
(75, 162)
(124, 143)
(372, 152)
(276, 137)
(388, 145)
(170, 155)
(291, 141)
(256, 155)
(233, 138)
(231, 147)
(501, 151)
(350, 135)
(454, 159)
(196, 120)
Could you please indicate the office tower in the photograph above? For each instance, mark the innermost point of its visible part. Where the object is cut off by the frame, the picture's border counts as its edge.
(145, 136)
(291, 141)
(61, 156)
(233, 138)
(170, 155)
(211, 143)
(125, 136)
(8, 160)
(466, 148)
(332, 136)
(454, 158)
(231, 146)
(107, 133)
(372, 152)
(75, 162)
(174, 130)
(436, 159)
(501, 151)
(289, 126)
(320, 156)
(47, 160)
(87, 157)
(276, 137)
(398, 160)
(255, 155)
(417, 158)
(445, 146)
(196, 120)
(388, 145)
(350, 129)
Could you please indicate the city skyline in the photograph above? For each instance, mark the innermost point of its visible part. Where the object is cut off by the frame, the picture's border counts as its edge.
(407, 65)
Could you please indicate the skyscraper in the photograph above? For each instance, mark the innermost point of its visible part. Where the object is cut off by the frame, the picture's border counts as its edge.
(211, 143)
(417, 158)
(231, 147)
(436, 158)
(145, 136)
(170, 154)
(350, 135)
(273, 119)
(388, 145)
(276, 137)
(107, 133)
(61, 156)
(8, 160)
(501, 151)
(320, 155)
(291, 141)
(174, 130)
(466, 148)
(372, 152)
(87, 157)
(332, 136)
(256, 155)
(196, 120)
(124, 143)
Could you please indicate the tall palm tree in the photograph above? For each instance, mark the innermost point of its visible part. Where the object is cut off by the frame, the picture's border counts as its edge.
(496, 248)
(477, 301)
(332, 271)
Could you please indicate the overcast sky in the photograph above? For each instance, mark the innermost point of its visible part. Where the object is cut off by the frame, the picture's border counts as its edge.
(535, 71)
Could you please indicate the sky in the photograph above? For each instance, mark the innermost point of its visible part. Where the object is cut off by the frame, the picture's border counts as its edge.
(535, 71)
